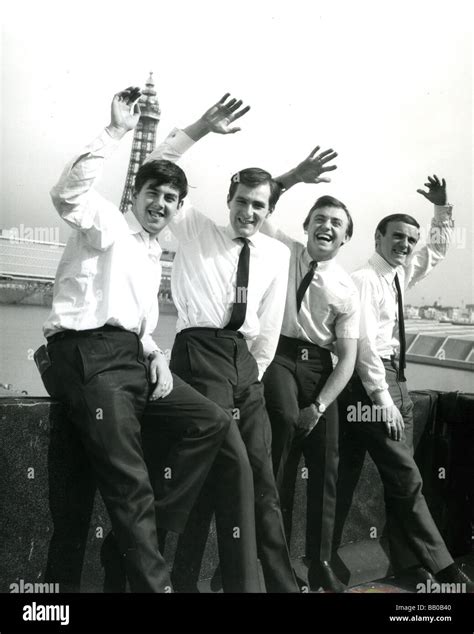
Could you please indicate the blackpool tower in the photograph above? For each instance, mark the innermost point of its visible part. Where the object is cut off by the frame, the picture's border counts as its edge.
(144, 138)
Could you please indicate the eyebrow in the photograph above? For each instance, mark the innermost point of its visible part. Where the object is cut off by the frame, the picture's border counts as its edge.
(156, 188)
(242, 198)
(331, 218)
(400, 234)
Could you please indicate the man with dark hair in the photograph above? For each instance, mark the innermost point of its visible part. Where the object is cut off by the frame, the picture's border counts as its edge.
(102, 361)
(229, 285)
(330, 201)
(417, 549)
(301, 386)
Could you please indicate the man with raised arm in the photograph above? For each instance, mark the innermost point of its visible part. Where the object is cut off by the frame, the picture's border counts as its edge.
(417, 549)
(102, 361)
(229, 286)
(301, 386)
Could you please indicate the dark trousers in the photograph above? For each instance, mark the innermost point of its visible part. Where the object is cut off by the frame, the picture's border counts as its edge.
(413, 535)
(102, 378)
(241, 487)
(293, 381)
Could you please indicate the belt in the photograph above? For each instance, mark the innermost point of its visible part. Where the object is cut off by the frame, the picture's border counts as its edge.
(212, 332)
(67, 334)
(290, 345)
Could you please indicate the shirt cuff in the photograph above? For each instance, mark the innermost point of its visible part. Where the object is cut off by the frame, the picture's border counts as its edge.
(442, 213)
(104, 142)
(179, 140)
(149, 346)
(261, 370)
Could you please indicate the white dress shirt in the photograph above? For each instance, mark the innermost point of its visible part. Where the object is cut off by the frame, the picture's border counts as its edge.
(378, 298)
(110, 270)
(204, 274)
(330, 306)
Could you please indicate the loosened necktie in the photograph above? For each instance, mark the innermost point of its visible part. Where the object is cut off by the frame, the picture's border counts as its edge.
(239, 308)
(305, 282)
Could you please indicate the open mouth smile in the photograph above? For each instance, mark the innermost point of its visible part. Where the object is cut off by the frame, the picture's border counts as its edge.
(156, 214)
(244, 221)
(323, 237)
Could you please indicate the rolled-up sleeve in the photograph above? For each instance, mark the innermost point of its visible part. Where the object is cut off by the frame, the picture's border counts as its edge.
(435, 249)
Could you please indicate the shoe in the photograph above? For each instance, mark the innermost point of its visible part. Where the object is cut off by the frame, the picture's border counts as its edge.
(454, 574)
(115, 579)
(411, 577)
(321, 575)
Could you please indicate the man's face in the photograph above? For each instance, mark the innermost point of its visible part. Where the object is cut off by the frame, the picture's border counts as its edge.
(154, 205)
(398, 242)
(327, 232)
(248, 208)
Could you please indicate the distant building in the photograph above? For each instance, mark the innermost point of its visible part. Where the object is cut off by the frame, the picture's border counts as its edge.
(411, 312)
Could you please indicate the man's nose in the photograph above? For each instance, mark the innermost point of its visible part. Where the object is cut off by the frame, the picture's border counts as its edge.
(159, 202)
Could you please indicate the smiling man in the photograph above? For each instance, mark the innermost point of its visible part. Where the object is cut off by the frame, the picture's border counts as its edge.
(321, 316)
(102, 361)
(229, 286)
(417, 549)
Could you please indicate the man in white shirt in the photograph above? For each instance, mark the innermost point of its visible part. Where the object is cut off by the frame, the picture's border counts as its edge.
(417, 549)
(102, 362)
(321, 316)
(229, 286)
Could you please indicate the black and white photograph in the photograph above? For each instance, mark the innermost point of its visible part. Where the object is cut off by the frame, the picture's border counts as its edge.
(236, 316)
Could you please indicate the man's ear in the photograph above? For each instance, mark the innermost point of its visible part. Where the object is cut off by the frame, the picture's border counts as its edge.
(378, 235)
(181, 203)
(346, 239)
(228, 200)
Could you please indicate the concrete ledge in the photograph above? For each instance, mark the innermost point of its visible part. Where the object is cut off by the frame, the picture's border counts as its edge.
(50, 508)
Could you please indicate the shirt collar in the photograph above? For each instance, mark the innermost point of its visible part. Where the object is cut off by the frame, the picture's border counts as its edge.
(324, 265)
(231, 233)
(383, 268)
(135, 228)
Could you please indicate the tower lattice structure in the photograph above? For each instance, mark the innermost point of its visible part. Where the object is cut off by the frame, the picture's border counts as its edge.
(144, 138)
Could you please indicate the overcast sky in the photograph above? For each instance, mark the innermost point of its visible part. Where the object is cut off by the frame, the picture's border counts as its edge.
(387, 84)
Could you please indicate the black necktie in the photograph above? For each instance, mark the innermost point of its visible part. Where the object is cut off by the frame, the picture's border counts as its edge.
(239, 308)
(305, 282)
(401, 332)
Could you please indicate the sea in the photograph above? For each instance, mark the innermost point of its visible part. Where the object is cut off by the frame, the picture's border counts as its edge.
(21, 334)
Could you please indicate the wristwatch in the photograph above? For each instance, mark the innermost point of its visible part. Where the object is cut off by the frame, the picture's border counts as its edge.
(320, 407)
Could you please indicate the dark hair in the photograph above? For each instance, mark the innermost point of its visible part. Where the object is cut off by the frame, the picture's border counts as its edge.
(330, 201)
(252, 177)
(382, 226)
(162, 172)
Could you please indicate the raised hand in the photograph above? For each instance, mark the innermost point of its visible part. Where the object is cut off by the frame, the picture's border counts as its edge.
(310, 170)
(125, 111)
(436, 193)
(222, 114)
